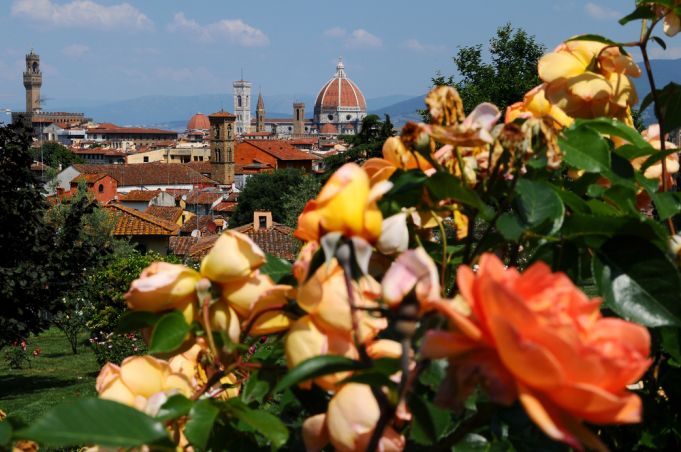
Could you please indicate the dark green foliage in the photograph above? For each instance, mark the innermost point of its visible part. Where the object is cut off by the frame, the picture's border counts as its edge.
(267, 191)
(503, 81)
(56, 156)
(294, 201)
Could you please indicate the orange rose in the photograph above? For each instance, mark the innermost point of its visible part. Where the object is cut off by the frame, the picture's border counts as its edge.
(537, 337)
(234, 256)
(535, 105)
(346, 204)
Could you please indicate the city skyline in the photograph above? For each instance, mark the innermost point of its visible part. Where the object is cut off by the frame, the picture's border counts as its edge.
(108, 50)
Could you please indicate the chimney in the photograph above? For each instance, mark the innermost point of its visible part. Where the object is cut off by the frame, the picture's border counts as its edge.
(262, 220)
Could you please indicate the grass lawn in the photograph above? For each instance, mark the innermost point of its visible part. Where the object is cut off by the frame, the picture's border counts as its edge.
(54, 376)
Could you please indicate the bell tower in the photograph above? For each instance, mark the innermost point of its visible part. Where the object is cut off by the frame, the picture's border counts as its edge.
(298, 119)
(260, 114)
(222, 145)
(33, 80)
(242, 106)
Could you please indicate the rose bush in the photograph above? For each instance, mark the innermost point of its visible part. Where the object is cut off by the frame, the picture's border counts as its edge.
(440, 293)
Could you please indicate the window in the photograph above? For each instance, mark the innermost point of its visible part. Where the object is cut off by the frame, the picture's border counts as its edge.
(145, 159)
(330, 117)
(238, 101)
(100, 188)
(348, 117)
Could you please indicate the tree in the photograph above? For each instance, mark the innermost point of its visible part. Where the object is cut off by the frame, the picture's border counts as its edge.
(294, 201)
(265, 191)
(366, 144)
(503, 81)
(56, 156)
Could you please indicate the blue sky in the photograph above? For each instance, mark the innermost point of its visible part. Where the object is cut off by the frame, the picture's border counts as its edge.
(113, 50)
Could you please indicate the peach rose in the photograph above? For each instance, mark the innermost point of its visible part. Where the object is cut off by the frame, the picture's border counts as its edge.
(349, 423)
(587, 80)
(412, 270)
(654, 171)
(163, 286)
(535, 105)
(537, 337)
(346, 204)
(234, 256)
(142, 382)
(325, 298)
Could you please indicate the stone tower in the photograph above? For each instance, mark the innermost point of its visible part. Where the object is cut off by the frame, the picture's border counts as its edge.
(260, 114)
(298, 118)
(242, 106)
(33, 80)
(221, 138)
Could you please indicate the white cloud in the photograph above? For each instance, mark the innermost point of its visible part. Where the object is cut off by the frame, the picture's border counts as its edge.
(418, 46)
(362, 38)
(233, 30)
(82, 13)
(75, 50)
(358, 38)
(601, 13)
(335, 32)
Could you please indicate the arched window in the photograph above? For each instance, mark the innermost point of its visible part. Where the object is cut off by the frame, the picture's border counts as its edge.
(100, 188)
(238, 101)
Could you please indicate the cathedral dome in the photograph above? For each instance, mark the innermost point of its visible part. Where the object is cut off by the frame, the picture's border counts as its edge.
(198, 122)
(340, 93)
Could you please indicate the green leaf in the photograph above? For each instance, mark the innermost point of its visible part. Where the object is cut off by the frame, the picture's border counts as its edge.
(95, 421)
(670, 107)
(5, 434)
(579, 227)
(610, 126)
(641, 12)
(407, 188)
(276, 268)
(509, 226)
(375, 379)
(660, 42)
(671, 343)
(169, 333)
(200, 423)
(638, 281)
(136, 320)
(585, 149)
(591, 37)
(444, 186)
(538, 204)
(316, 367)
(429, 422)
(176, 406)
(257, 386)
(667, 204)
(472, 442)
(261, 421)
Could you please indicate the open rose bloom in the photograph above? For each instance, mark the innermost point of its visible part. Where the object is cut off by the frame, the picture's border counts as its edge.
(536, 337)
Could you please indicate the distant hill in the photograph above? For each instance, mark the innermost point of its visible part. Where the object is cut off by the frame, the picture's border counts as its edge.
(173, 112)
(401, 112)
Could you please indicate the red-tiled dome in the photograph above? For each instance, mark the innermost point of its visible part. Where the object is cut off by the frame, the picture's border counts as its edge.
(328, 129)
(340, 91)
(198, 121)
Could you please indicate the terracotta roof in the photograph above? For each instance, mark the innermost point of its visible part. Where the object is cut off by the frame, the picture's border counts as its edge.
(328, 128)
(39, 166)
(203, 197)
(148, 173)
(198, 121)
(180, 245)
(225, 206)
(140, 195)
(277, 240)
(133, 222)
(280, 149)
(178, 192)
(222, 114)
(295, 141)
(129, 130)
(168, 213)
(340, 91)
(204, 223)
(99, 151)
(90, 178)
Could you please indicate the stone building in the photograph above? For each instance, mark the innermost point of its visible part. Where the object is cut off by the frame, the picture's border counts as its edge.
(340, 105)
(242, 106)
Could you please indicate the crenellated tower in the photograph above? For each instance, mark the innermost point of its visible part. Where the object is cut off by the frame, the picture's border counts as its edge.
(33, 80)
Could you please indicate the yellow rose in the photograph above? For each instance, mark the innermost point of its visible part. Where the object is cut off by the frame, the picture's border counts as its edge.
(345, 204)
(163, 286)
(234, 256)
(142, 382)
